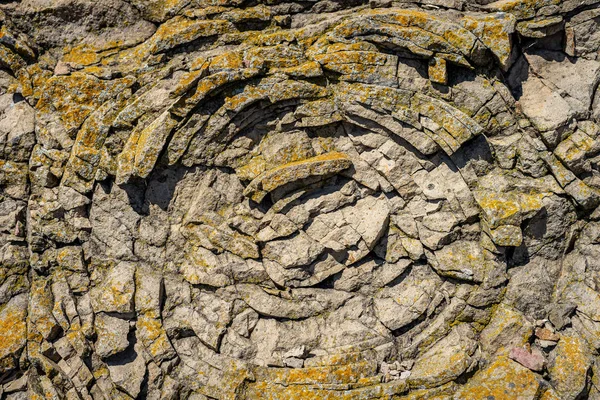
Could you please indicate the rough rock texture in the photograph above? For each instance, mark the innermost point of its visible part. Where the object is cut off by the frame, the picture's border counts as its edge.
(322, 199)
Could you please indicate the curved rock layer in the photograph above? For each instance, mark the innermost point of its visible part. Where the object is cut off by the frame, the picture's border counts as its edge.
(322, 199)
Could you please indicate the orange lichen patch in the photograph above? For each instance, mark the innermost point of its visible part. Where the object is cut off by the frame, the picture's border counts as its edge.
(338, 374)
(437, 70)
(82, 55)
(13, 327)
(75, 96)
(504, 379)
(322, 165)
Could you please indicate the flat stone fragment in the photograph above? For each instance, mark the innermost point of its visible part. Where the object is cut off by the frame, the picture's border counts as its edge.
(462, 260)
(546, 109)
(437, 71)
(533, 360)
(116, 292)
(112, 335)
(129, 373)
(446, 360)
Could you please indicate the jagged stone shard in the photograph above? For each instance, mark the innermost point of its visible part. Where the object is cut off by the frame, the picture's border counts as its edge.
(325, 199)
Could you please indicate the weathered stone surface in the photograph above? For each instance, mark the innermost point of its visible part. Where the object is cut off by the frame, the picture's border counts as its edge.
(503, 379)
(112, 335)
(446, 360)
(571, 364)
(299, 200)
(13, 325)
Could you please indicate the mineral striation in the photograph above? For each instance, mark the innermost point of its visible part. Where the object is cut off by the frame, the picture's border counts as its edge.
(316, 199)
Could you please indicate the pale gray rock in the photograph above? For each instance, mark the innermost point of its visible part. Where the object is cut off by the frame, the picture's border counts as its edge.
(116, 291)
(129, 372)
(112, 335)
(403, 303)
(445, 360)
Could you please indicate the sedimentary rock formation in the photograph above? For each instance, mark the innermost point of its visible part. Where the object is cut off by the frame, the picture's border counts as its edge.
(323, 199)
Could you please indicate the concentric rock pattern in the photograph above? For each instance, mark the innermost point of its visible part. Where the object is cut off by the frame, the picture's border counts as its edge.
(322, 199)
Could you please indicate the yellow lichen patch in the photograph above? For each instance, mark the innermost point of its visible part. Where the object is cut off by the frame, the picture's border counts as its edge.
(439, 393)
(279, 56)
(257, 13)
(494, 31)
(154, 338)
(256, 166)
(309, 69)
(159, 10)
(504, 379)
(187, 81)
(507, 208)
(458, 124)
(549, 394)
(150, 143)
(229, 61)
(208, 85)
(322, 165)
(180, 30)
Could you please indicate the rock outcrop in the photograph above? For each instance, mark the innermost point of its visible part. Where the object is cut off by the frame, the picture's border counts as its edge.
(324, 199)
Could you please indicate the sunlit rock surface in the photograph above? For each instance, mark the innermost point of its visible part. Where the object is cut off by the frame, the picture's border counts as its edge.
(324, 199)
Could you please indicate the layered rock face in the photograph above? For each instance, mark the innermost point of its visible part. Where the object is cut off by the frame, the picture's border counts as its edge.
(329, 199)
